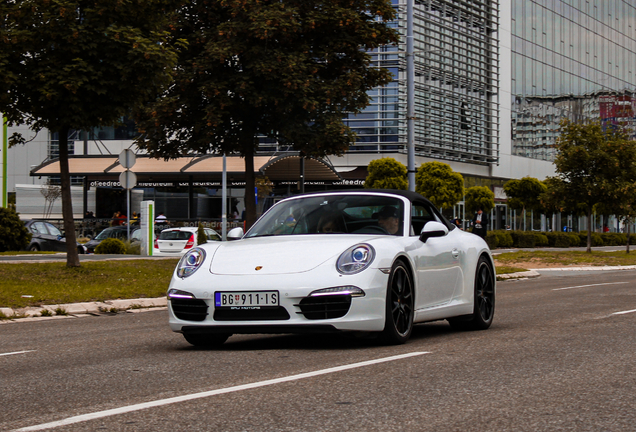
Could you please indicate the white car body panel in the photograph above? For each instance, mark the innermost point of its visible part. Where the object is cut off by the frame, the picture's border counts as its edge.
(295, 265)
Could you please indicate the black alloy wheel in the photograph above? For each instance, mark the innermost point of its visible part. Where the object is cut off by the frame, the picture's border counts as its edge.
(484, 300)
(399, 306)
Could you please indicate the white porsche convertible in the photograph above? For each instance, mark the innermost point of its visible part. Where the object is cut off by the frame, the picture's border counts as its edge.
(367, 261)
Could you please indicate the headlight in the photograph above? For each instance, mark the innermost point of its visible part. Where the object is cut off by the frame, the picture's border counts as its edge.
(190, 262)
(178, 294)
(355, 259)
(353, 291)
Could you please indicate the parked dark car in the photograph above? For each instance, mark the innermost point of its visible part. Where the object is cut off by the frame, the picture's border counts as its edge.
(118, 232)
(47, 237)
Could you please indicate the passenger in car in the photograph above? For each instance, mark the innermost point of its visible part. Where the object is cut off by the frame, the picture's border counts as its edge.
(330, 223)
(389, 219)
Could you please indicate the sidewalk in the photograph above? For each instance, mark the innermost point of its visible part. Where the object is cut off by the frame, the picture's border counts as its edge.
(77, 310)
(532, 273)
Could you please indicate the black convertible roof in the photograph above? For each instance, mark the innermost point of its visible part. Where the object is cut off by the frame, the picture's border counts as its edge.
(412, 196)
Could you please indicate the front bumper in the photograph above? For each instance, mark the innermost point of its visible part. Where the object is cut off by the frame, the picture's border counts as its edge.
(365, 313)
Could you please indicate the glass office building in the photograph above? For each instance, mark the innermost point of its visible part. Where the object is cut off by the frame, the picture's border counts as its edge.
(456, 79)
(574, 59)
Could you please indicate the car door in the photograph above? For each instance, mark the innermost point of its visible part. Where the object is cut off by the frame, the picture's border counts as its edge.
(437, 261)
(55, 240)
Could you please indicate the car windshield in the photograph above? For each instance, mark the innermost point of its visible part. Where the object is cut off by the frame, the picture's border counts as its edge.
(175, 235)
(333, 214)
(111, 233)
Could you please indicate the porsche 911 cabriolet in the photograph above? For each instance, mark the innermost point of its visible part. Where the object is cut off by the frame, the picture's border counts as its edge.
(356, 261)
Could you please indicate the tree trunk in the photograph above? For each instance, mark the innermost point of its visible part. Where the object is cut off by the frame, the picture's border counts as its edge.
(250, 183)
(72, 258)
(629, 227)
(589, 230)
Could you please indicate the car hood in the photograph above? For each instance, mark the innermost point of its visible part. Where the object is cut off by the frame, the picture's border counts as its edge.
(280, 255)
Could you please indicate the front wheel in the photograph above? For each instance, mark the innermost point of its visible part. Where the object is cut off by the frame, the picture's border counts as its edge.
(484, 300)
(213, 340)
(399, 313)
(34, 247)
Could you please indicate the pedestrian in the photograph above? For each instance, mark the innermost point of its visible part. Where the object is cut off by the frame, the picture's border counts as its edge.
(480, 223)
(161, 219)
(457, 222)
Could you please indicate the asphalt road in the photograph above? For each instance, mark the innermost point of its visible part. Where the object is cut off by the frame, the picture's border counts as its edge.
(559, 356)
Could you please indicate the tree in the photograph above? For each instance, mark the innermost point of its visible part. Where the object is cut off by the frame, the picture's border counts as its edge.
(14, 235)
(479, 197)
(201, 237)
(386, 173)
(440, 184)
(524, 194)
(72, 64)
(50, 193)
(289, 70)
(594, 165)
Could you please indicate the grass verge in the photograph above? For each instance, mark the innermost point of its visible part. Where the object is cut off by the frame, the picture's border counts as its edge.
(507, 270)
(54, 283)
(536, 259)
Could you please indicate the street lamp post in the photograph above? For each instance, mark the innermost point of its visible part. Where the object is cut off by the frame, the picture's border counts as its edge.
(410, 96)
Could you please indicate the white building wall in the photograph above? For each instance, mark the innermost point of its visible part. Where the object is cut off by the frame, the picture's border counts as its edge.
(22, 158)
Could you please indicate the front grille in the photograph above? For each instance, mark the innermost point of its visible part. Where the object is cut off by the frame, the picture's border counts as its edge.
(265, 314)
(325, 307)
(189, 309)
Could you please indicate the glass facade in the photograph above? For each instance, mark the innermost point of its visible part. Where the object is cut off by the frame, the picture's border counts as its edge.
(456, 81)
(572, 59)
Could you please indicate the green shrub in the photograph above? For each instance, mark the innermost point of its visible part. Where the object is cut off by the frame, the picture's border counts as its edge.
(201, 238)
(133, 248)
(540, 239)
(525, 239)
(492, 239)
(560, 239)
(597, 240)
(632, 239)
(111, 246)
(575, 240)
(504, 239)
(614, 239)
(14, 235)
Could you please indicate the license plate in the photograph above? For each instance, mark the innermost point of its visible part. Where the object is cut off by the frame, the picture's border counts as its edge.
(246, 299)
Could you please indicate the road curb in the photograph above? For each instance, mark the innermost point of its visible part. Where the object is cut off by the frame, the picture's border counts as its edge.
(81, 309)
(519, 275)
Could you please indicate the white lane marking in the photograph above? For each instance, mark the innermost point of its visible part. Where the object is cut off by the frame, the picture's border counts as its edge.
(184, 398)
(585, 286)
(17, 352)
(624, 312)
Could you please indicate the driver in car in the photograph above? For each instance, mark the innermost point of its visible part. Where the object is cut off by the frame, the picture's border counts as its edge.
(389, 219)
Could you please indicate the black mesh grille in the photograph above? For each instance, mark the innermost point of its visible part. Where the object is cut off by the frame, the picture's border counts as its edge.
(325, 307)
(229, 314)
(189, 309)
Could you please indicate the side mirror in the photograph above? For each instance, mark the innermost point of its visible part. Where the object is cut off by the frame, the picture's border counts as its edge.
(235, 233)
(433, 229)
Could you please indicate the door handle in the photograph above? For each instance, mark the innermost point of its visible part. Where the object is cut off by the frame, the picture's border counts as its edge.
(455, 253)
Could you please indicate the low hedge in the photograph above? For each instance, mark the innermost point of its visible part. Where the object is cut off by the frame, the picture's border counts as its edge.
(530, 239)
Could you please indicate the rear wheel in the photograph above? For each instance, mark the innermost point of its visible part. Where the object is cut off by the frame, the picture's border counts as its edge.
(398, 323)
(34, 247)
(212, 340)
(484, 302)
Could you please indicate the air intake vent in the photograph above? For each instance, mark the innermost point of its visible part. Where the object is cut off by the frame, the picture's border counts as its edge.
(325, 307)
(189, 309)
(247, 314)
